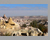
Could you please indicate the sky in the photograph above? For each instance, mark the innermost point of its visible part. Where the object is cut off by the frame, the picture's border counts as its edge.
(24, 9)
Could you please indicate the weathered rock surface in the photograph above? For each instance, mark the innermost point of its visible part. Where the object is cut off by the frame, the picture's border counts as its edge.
(10, 24)
(30, 31)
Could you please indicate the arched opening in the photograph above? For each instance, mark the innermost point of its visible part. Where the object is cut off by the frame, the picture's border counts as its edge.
(13, 34)
(42, 34)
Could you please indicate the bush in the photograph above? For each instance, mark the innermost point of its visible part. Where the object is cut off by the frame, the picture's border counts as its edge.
(34, 24)
(24, 25)
(40, 26)
(43, 28)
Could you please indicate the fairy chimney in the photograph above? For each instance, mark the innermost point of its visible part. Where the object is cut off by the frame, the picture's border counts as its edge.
(4, 16)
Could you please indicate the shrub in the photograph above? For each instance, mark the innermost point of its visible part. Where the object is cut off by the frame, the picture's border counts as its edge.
(24, 25)
(43, 28)
(34, 24)
(40, 26)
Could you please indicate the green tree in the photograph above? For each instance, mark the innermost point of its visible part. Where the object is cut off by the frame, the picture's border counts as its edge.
(34, 24)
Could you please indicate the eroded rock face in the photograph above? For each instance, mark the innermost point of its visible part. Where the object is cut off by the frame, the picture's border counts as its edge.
(21, 32)
(29, 32)
(10, 24)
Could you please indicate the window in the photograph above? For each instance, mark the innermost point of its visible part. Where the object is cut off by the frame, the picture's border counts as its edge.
(13, 24)
(24, 34)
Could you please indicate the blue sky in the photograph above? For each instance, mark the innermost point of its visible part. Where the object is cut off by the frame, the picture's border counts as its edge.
(24, 9)
(24, 5)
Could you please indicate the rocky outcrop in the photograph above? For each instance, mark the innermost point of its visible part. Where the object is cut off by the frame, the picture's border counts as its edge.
(30, 31)
(10, 24)
(4, 16)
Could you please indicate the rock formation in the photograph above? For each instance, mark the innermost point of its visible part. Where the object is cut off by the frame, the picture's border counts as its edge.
(30, 32)
(4, 16)
(10, 24)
